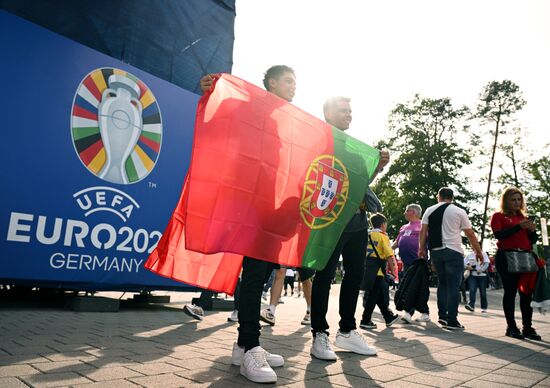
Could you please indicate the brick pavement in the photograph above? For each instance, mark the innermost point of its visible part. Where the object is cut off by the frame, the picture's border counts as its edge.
(159, 346)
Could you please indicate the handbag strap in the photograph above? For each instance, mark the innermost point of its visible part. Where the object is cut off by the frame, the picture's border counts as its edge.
(381, 262)
(374, 248)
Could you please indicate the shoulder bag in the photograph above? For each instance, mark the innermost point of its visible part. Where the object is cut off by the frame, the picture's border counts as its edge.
(520, 261)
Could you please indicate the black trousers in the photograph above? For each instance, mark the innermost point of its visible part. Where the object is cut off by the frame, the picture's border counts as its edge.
(289, 281)
(353, 248)
(510, 284)
(255, 274)
(376, 297)
(425, 309)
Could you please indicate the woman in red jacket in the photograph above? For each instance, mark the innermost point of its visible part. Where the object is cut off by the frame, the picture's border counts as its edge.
(514, 230)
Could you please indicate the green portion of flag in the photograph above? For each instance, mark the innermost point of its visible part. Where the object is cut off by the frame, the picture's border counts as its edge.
(360, 161)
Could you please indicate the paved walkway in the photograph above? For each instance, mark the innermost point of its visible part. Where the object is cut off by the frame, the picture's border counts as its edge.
(159, 346)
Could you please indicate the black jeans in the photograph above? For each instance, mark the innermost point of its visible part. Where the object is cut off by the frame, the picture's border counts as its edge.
(289, 281)
(255, 274)
(353, 247)
(376, 297)
(510, 284)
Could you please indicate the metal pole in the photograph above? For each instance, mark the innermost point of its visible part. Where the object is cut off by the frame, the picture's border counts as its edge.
(544, 233)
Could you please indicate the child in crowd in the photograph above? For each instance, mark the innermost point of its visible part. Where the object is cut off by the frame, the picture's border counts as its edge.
(379, 256)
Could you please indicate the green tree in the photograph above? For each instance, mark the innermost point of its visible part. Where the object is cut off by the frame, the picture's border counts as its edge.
(425, 155)
(538, 188)
(513, 165)
(497, 103)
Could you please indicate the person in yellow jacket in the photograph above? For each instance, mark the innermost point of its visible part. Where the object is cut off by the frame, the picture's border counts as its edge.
(379, 255)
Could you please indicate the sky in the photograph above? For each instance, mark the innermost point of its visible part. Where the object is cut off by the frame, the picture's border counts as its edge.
(381, 53)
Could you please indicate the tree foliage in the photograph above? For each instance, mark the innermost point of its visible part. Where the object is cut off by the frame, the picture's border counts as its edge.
(497, 103)
(538, 188)
(426, 155)
(512, 164)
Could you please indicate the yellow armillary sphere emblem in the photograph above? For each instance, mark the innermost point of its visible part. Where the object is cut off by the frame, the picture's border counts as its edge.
(325, 193)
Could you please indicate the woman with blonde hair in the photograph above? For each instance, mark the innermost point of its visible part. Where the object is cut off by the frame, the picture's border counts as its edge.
(514, 231)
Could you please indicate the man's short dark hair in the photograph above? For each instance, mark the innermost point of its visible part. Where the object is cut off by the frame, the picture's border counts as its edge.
(446, 193)
(274, 72)
(377, 220)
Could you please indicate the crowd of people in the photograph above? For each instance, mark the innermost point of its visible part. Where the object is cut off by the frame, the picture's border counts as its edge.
(429, 246)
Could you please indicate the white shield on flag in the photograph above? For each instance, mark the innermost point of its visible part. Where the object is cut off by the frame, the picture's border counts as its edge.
(328, 191)
(329, 185)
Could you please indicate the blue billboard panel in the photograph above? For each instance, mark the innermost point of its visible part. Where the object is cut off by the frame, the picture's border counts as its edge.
(94, 153)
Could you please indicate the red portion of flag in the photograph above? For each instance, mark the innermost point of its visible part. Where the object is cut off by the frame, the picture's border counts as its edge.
(250, 157)
(217, 272)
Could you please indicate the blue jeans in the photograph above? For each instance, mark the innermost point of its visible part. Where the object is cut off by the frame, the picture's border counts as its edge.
(449, 265)
(475, 283)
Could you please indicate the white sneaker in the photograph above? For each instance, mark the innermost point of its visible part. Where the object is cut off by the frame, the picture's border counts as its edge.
(234, 317)
(267, 316)
(354, 342)
(274, 360)
(423, 318)
(194, 311)
(407, 318)
(321, 348)
(256, 368)
(307, 319)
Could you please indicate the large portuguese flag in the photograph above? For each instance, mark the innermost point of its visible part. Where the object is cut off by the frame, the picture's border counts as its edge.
(267, 180)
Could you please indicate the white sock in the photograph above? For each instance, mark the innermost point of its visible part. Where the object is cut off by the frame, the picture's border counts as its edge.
(272, 308)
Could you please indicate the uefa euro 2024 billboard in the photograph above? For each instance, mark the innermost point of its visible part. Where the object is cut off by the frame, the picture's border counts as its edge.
(94, 153)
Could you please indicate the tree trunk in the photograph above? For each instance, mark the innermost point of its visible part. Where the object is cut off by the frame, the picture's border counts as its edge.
(514, 168)
(489, 184)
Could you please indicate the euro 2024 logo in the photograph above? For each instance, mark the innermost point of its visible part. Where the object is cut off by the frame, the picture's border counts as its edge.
(116, 126)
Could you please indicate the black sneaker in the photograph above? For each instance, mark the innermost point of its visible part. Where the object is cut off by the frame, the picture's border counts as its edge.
(530, 333)
(368, 325)
(442, 322)
(454, 326)
(469, 308)
(392, 320)
(514, 333)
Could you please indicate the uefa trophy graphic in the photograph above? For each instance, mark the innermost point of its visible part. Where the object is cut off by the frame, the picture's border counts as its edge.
(120, 125)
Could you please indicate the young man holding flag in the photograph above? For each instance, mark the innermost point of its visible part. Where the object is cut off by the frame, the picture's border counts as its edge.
(256, 363)
(352, 246)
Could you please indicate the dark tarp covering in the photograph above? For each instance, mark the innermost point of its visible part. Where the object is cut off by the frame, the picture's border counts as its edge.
(178, 41)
